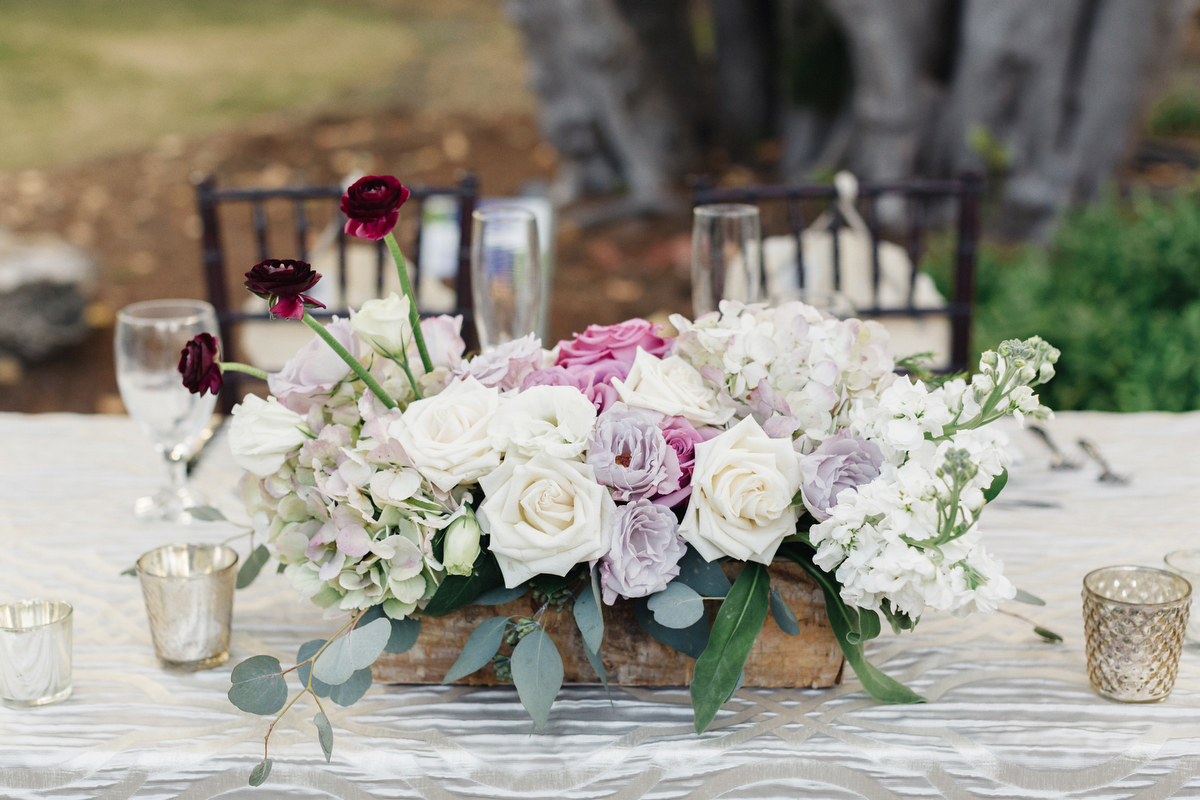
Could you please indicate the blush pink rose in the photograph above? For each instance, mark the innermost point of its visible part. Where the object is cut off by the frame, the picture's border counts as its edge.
(683, 437)
(594, 380)
(613, 342)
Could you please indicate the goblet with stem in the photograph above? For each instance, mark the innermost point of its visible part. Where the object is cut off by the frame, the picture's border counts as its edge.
(506, 274)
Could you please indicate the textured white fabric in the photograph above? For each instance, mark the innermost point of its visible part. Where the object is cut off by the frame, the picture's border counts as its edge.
(1009, 716)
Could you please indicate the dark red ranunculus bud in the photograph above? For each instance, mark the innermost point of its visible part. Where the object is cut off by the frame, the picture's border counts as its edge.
(283, 283)
(373, 206)
(198, 365)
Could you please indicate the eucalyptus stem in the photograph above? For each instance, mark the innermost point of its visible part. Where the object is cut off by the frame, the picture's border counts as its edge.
(358, 368)
(233, 366)
(413, 315)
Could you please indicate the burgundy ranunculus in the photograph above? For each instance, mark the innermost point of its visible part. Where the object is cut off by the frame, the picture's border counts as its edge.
(198, 365)
(373, 206)
(283, 284)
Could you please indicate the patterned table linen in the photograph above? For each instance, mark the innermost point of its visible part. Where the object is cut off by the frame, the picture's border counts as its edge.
(1008, 716)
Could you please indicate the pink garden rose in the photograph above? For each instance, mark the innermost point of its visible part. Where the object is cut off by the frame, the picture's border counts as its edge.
(612, 342)
(315, 370)
(594, 380)
(683, 437)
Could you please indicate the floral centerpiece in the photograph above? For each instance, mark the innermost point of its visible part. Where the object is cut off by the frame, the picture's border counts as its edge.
(395, 478)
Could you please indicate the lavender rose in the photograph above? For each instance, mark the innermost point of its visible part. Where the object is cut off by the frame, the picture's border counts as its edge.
(372, 205)
(644, 549)
(198, 365)
(612, 342)
(630, 454)
(283, 283)
(842, 461)
(315, 369)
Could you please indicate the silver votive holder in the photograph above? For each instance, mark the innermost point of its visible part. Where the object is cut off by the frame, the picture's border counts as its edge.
(35, 652)
(1187, 564)
(1134, 620)
(188, 590)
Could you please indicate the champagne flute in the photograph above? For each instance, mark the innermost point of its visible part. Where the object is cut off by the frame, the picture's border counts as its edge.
(150, 337)
(726, 255)
(506, 274)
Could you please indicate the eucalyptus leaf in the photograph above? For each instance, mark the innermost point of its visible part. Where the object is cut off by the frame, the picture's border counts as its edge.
(131, 572)
(785, 618)
(1025, 597)
(205, 513)
(537, 672)
(349, 692)
(1048, 635)
(260, 772)
(690, 641)
(457, 591)
(677, 606)
(357, 649)
(324, 734)
(404, 631)
(483, 643)
(997, 485)
(306, 651)
(258, 685)
(501, 595)
(738, 622)
(590, 619)
(598, 665)
(705, 577)
(254, 564)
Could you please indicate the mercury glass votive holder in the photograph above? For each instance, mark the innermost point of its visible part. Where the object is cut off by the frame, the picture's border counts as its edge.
(1187, 564)
(1134, 620)
(188, 590)
(35, 652)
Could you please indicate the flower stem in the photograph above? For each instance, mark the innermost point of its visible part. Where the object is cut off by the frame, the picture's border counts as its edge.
(413, 315)
(358, 368)
(233, 366)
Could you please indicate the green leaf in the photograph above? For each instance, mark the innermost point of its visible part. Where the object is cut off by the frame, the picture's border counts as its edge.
(598, 665)
(324, 734)
(404, 631)
(500, 595)
(738, 622)
(785, 618)
(998, 483)
(537, 672)
(131, 572)
(483, 643)
(357, 649)
(254, 563)
(457, 591)
(844, 620)
(868, 624)
(258, 685)
(677, 606)
(705, 577)
(205, 514)
(690, 641)
(589, 616)
(349, 692)
(306, 651)
(279, 569)
(260, 772)
(1048, 635)
(1025, 597)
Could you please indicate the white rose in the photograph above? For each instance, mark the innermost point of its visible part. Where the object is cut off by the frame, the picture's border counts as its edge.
(556, 420)
(742, 490)
(673, 387)
(263, 433)
(446, 436)
(384, 324)
(544, 516)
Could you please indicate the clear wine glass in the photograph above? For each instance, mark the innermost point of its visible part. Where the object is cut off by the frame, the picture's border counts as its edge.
(150, 337)
(506, 274)
(726, 255)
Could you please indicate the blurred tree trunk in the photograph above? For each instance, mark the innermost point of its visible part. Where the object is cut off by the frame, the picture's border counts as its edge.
(1044, 95)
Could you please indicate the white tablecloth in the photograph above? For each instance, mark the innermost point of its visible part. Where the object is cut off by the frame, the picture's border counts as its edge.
(1008, 716)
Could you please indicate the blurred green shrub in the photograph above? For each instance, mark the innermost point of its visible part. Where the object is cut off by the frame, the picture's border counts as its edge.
(1118, 292)
(1176, 114)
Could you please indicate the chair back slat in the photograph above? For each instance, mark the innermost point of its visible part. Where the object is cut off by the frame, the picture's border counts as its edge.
(260, 228)
(916, 227)
(301, 230)
(872, 203)
(835, 229)
(796, 223)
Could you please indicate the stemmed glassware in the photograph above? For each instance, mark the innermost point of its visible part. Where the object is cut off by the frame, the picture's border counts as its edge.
(726, 255)
(150, 336)
(506, 274)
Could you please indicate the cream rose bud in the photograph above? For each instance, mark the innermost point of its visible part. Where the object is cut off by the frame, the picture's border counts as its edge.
(461, 547)
(544, 516)
(384, 324)
(446, 436)
(673, 387)
(742, 490)
(263, 433)
(556, 420)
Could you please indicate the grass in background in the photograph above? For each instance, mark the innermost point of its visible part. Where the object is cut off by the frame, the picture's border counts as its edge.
(1177, 114)
(82, 78)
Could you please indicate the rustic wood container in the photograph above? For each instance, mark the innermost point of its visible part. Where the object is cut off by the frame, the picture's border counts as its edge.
(631, 656)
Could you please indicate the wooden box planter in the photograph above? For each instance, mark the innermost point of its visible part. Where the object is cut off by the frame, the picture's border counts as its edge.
(631, 656)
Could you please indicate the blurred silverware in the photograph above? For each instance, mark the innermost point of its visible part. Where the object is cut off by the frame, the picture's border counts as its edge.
(1057, 459)
(210, 430)
(1108, 476)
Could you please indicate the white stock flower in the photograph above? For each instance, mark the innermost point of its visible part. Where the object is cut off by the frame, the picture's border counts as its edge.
(556, 420)
(446, 436)
(544, 516)
(673, 387)
(384, 324)
(263, 433)
(742, 489)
